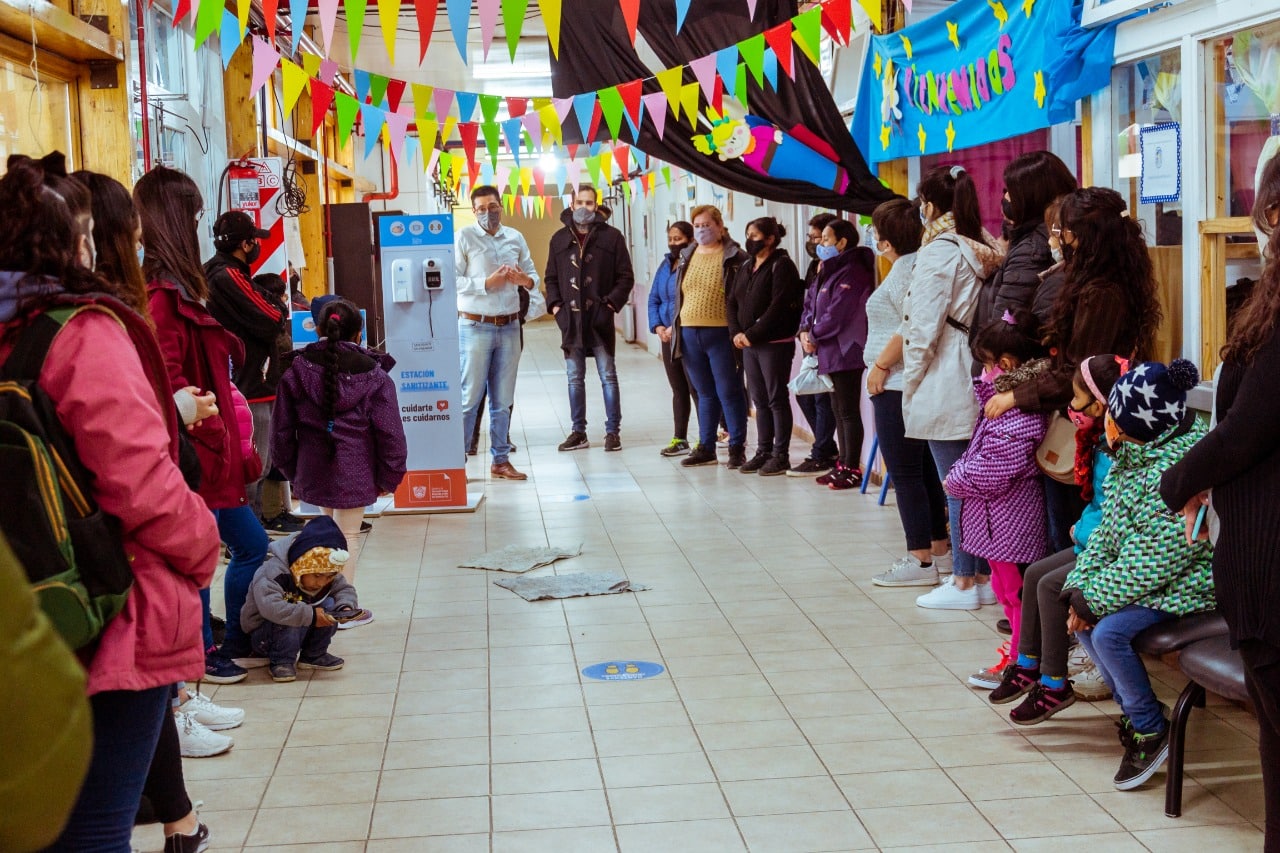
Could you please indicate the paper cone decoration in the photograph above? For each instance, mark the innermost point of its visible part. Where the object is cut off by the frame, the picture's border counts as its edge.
(321, 100)
(388, 18)
(425, 11)
(265, 60)
(512, 22)
(655, 103)
(355, 10)
(779, 39)
(488, 22)
(295, 80)
(551, 21)
(631, 16)
(459, 12)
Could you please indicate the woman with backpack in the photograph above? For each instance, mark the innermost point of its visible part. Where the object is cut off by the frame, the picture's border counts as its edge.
(102, 372)
(201, 353)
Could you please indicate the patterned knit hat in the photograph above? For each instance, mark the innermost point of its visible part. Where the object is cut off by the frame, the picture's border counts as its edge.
(320, 548)
(1151, 398)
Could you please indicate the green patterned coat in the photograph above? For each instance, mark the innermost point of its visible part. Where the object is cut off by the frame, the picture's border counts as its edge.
(1138, 554)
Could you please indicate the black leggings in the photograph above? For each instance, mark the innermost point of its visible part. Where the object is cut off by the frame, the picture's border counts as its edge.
(846, 401)
(683, 397)
(1044, 615)
(1262, 677)
(768, 368)
(166, 788)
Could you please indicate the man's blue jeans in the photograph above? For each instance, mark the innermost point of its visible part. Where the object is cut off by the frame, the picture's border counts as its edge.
(244, 537)
(816, 409)
(490, 356)
(708, 357)
(575, 366)
(283, 643)
(1110, 646)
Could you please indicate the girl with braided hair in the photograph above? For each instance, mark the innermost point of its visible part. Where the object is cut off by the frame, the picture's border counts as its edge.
(336, 432)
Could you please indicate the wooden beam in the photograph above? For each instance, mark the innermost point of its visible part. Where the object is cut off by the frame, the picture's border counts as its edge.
(1213, 285)
(61, 32)
(106, 122)
(241, 108)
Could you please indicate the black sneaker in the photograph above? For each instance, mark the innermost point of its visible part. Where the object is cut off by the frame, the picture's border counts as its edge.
(575, 441)
(326, 662)
(1015, 683)
(1004, 627)
(700, 456)
(612, 442)
(811, 468)
(365, 527)
(1042, 703)
(775, 466)
(219, 626)
(283, 524)
(472, 450)
(221, 670)
(844, 478)
(754, 464)
(677, 447)
(196, 842)
(283, 673)
(1143, 756)
(737, 455)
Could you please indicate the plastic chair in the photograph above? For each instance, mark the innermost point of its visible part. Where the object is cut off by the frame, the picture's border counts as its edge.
(871, 462)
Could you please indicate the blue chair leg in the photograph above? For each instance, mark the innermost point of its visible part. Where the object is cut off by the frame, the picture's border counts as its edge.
(884, 487)
(871, 462)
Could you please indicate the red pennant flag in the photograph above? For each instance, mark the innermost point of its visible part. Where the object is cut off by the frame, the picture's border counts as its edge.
(631, 14)
(631, 93)
(469, 130)
(426, 12)
(516, 107)
(269, 9)
(837, 19)
(180, 14)
(395, 91)
(321, 99)
(779, 38)
(596, 115)
(622, 156)
(539, 180)
(717, 97)
(573, 152)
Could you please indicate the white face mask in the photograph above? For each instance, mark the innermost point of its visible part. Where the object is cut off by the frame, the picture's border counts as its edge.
(1056, 253)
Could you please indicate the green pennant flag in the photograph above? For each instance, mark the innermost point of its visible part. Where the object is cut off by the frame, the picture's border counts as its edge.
(752, 52)
(445, 166)
(377, 89)
(512, 22)
(666, 176)
(611, 105)
(593, 169)
(492, 138)
(626, 191)
(808, 32)
(347, 109)
(355, 10)
(489, 106)
(741, 90)
(208, 20)
(669, 81)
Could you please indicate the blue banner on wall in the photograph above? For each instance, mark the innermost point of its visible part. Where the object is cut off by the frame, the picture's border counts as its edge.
(976, 72)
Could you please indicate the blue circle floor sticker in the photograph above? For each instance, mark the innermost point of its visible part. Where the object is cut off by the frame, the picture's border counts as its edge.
(623, 670)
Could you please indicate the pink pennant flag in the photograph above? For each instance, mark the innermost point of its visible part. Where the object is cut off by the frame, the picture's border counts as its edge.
(574, 170)
(443, 99)
(488, 20)
(704, 71)
(397, 124)
(751, 9)
(655, 104)
(429, 164)
(533, 124)
(265, 60)
(328, 72)
(328, 14)
(563, 107)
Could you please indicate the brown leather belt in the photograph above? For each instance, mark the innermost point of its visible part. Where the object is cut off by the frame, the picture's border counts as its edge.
(500, 320)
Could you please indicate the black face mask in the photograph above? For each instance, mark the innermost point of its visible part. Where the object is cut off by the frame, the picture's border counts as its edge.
(811, 249)
(676, 248)
(1006, 207)
(254, 253)
(754, 247)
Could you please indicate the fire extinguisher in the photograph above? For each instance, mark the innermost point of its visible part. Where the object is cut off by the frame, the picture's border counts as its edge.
(242, 179)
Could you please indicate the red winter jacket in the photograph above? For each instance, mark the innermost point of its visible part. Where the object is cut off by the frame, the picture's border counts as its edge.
(127, 439)
(198, 351)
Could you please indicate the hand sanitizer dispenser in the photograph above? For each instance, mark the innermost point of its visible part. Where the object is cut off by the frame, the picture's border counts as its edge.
(401, 286)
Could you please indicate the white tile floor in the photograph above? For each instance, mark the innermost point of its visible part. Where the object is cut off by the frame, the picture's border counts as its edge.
(802, 709)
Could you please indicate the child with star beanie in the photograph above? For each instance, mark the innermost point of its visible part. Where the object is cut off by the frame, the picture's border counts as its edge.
(1138, 568)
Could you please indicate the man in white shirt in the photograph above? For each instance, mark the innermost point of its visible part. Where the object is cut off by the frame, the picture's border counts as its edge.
(493, 261)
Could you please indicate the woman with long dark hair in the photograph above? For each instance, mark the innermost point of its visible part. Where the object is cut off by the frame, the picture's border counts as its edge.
(763, 311)
(1107, 303)
(105, 362)
(662, 321)
(1235, 469)
(200, 353)
(955, 255)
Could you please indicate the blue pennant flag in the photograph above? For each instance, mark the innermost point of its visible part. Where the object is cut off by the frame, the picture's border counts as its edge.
(771, 69)
(459, 21)
(584, 107)
(362, 84)
(511, 129)
(372, 118)
(466, 104)
(727, 68)
(229, 37)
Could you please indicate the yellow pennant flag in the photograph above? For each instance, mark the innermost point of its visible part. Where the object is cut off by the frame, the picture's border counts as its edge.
(428, 129)
(874, 12)
(670, 81)
(689, 102)
(446, 133)
(421, 100)
(551, 123)
(606, 165)
(311, 64)
(389, 17)
(242, 17)
(550, 10)
(295, 80)
(526, 178)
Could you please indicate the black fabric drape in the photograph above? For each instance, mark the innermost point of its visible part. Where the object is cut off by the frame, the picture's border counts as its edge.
(595, 52)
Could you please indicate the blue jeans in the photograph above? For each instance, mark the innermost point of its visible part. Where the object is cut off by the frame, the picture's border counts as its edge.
(1110, 646)
(126, 728)
(922, 505)
(490, 357)
(822, 423)
(575, 366)
(945, 454)
(283, 643)
(241, 531)
(708, 357)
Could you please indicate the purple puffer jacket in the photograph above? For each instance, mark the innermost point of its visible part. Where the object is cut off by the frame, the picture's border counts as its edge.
(840, 310)
(369, 450)
(1002, 516)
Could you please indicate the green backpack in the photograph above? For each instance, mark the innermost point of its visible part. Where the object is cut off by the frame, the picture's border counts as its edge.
(73, 553)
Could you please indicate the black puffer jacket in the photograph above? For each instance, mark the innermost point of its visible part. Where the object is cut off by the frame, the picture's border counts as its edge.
(1014, 285)
(765, 303)
(588, 282)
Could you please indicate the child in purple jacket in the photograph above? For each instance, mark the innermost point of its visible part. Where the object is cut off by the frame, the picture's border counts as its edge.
(1003, 516)
(336, 432)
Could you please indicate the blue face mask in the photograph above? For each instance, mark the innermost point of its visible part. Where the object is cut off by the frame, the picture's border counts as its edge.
(826, 253)
(142, 253)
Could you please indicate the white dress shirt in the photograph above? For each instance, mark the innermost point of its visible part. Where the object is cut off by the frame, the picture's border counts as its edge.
(477, 254)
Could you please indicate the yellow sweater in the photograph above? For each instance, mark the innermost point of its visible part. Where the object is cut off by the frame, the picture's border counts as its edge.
(703, 291)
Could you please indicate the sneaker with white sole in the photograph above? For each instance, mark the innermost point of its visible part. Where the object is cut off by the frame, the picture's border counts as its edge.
(907, 571)
(196, 741)
(1086, 679)
(213, 717)
(991, 678)
(986, 595)
(942, 562)
(947, 596)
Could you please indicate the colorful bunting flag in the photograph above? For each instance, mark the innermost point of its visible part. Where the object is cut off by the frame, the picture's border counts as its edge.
(265, 60)
(328, 71)
(295, 80)
(270, 8)
(469, 131)
(779, 39)
(511, 130)
(808, 33)
(611, 106)
(348, 107)
(388, 17)
(242, 17)
(682, 9)
(771, 69)
(689, 103)
(378, 89)
(874, 12)
(630, 16)
(466, 104)
(443, 99)
(752, 51)
(656, 104)
(704, 71)
(321, 100)
(459, 12)
(425, 11)
(837, 19)
(297, 23)
(428, 130)
(311, 64)
(229, 38)
(488, 22)
(606, 166)
(395, 93)
(551, 22)
(208, 20)
(397, 125)
(512, 22)
(551, 122)
(622, 154)
(355, 10)
(489, 105)
(727, 65)
(492, 138)
(517, 107)
(533, 125)
(328, 10)
(583, 107)
(631, 99)
(670, 81)
(372, 118)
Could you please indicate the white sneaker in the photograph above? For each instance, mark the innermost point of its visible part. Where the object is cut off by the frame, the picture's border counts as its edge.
(948, 596)
(1085, 678)
(942, 563)
(907, 571)
(211, 716)
(197, 741)
(985, 594)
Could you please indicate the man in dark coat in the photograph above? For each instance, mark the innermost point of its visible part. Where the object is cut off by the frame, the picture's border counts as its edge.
(589, 279)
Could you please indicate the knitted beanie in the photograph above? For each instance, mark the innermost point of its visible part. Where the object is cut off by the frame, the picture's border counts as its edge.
(1151, 398)
(319, 548)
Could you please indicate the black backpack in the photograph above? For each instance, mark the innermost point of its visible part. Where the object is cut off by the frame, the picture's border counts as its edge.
(73, 553)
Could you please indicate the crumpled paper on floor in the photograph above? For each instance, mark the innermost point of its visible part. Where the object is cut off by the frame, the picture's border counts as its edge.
(572, 585)
(520, 558)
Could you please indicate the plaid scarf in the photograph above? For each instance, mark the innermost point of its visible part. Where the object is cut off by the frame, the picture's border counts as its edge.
(944, 223)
